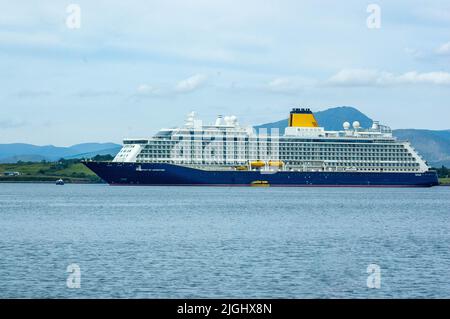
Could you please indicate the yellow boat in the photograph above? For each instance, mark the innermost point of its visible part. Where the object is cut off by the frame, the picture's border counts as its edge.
(276, 163)
(260, 183)
(257, 164)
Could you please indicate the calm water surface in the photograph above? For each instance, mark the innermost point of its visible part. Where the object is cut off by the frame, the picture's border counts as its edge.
(181, 242)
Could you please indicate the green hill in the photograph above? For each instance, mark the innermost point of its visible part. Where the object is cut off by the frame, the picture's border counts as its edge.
(14, 152)
(71, 171)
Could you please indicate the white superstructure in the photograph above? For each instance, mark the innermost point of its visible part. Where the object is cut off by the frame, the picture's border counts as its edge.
(227, 145)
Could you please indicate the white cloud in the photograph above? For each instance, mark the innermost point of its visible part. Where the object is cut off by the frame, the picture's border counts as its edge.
(359, 77)
(191, 84)
(439, 78)
(444, 49)
(146, 89)
(415, 53)
(368, 77)
(281, 85)
(290, 84)
(184, 86)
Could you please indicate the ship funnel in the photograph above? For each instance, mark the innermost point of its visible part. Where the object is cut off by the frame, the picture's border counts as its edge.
(302, 117)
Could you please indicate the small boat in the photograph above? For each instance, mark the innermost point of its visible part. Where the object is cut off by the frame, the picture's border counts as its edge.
(257, 164)
(60, 182)
(260, 183)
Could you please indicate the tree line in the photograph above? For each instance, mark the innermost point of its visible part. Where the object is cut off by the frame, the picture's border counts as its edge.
(443, 172)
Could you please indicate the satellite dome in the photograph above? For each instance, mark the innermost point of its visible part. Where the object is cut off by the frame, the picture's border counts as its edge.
(356, 125)
(346, 125)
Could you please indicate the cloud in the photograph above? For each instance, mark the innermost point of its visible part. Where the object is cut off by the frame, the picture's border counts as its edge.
(146, 89)
(184, 86)
(415, 53)
(281, 85)
(369, 77)
(289, 84)
(191, 84)
(438, 78)
(444, 49)
(429, 56)
(359, 77)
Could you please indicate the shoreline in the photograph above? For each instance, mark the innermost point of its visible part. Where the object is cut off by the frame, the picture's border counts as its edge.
(99, 183)
(46, 182)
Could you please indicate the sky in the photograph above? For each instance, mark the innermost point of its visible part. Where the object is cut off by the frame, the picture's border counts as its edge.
(100, 71)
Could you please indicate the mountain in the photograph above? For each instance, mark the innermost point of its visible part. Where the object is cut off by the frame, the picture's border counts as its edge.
(88, 150)
(11, 153)
(331, 119)
(434, 146)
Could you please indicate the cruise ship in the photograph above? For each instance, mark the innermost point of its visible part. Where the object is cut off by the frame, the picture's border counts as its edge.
(228, 154)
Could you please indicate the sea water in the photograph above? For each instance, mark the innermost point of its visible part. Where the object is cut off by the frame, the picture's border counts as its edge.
(92, 241)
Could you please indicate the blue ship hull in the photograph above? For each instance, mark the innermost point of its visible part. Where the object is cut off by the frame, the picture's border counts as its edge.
(116, 173)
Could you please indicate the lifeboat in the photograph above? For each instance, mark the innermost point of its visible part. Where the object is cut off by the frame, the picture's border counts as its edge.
(257, 164)
(276, 163)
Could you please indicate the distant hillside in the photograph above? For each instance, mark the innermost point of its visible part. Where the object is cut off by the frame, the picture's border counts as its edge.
(12, 153)
(330, 119)
(71, 171)
(434, 146)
